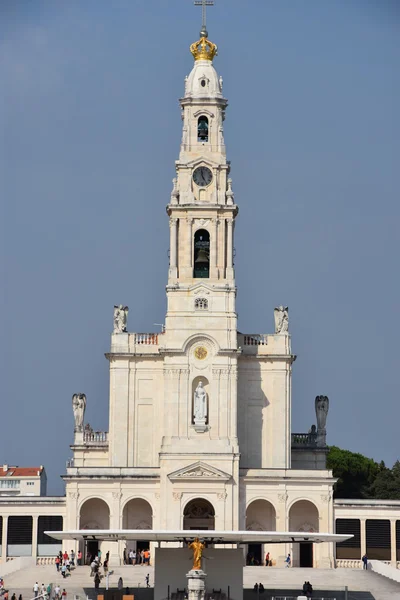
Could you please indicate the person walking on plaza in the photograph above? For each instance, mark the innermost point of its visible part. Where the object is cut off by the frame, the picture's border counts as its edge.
(57, 592)
(147, 580)
(288, 561)
(57, 563)
(72, 555)
(365, 562)
(79, 558)
(120, 583)
(267, 559)
(36, 589)
(96, 581)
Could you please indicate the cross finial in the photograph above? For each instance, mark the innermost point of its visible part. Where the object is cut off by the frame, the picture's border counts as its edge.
(203, 4)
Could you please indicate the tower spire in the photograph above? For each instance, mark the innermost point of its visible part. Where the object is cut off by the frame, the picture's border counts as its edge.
(203, 4)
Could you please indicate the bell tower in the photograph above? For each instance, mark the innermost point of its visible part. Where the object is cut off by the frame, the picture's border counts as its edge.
(202, 210)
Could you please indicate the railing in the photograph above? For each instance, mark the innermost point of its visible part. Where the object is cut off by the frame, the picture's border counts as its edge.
(255, 339)
(349, 564)
(95, 437)
(150, 339)
(45, 560)
(301, 595)
(304, 440)
(69, 463)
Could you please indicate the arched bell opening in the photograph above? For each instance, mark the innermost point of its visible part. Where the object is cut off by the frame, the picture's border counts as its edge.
(201, 254)
(199, 514)
(202, 129)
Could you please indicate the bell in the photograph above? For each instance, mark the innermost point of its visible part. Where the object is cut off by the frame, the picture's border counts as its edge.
(202, 131)
(202, 257)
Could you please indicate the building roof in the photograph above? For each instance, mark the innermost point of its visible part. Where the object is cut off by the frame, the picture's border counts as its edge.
(8, 471)
(214, 537)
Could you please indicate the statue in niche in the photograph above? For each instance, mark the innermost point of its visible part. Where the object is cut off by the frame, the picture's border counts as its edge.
(78, 407)
(120, 318)
(281, 316)
(200, 404)
(321, 411)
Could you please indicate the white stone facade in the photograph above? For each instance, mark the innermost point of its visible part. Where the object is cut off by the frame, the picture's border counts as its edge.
(160, 466)
(239, 459)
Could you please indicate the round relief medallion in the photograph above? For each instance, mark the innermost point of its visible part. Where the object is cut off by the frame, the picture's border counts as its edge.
(200, 353)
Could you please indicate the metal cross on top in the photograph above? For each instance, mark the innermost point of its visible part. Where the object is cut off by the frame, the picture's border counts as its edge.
(203, 4)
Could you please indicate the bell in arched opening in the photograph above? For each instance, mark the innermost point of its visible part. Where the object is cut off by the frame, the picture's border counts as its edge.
(201, 254)
(202, 129)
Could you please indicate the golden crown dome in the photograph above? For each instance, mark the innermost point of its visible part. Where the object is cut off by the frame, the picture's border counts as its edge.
(203, 49)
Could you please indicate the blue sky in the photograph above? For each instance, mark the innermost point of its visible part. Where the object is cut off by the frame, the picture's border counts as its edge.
(89, 131)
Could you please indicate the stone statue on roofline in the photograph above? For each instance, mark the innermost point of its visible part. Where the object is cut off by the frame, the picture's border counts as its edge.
(321, 411)
(79, 407)
(120, 318)
(281, 316)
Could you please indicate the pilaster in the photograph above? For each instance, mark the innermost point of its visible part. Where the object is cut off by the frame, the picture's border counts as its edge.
(35, 519)
(229, 249)
(4, 539)
(393, 553)
(173, 271)
(363, 536)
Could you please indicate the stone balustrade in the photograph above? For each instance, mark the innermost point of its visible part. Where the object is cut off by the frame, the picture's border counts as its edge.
(42, 561)
(263, 344)
(255, 339)
(304, 440)
(95, 437)
(146, 339)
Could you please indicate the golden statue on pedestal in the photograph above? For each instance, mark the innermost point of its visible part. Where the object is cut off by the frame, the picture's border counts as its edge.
(197, 546)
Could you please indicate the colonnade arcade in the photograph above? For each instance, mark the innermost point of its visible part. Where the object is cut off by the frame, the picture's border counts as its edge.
(303, 515)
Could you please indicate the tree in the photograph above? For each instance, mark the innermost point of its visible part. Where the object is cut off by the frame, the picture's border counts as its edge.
(361, 477)
(355, 472)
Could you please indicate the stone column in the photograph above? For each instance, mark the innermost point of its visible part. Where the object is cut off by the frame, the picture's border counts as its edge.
(35, 519)
(229, 249)
(233, 435)
(115, 523)
(213, 253)
(282, 524)
(4, 539)
(363, 537)
(173, 224)
(196, 585)
(189, 223)
(393, 557)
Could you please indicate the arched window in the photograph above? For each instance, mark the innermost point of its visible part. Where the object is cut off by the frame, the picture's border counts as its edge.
(201, 254)
(202, 129)
(201, 304)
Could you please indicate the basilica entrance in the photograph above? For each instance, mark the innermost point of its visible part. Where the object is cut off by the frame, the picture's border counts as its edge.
(199, 514)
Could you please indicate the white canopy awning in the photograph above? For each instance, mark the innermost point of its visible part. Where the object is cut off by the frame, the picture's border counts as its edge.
(213, 537)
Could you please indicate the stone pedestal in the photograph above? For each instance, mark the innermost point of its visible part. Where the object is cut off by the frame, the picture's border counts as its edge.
(196, 585)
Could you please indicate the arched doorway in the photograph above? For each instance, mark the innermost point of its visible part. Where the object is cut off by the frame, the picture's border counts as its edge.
(199, 514)
(303, 516)
(94, 514)
(137, 514)
(260, 516)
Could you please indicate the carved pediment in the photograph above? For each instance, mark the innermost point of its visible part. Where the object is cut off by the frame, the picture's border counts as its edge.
(200, 288)
(199, 471)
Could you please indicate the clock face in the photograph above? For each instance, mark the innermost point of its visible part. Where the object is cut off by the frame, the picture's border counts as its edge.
(202, 176)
